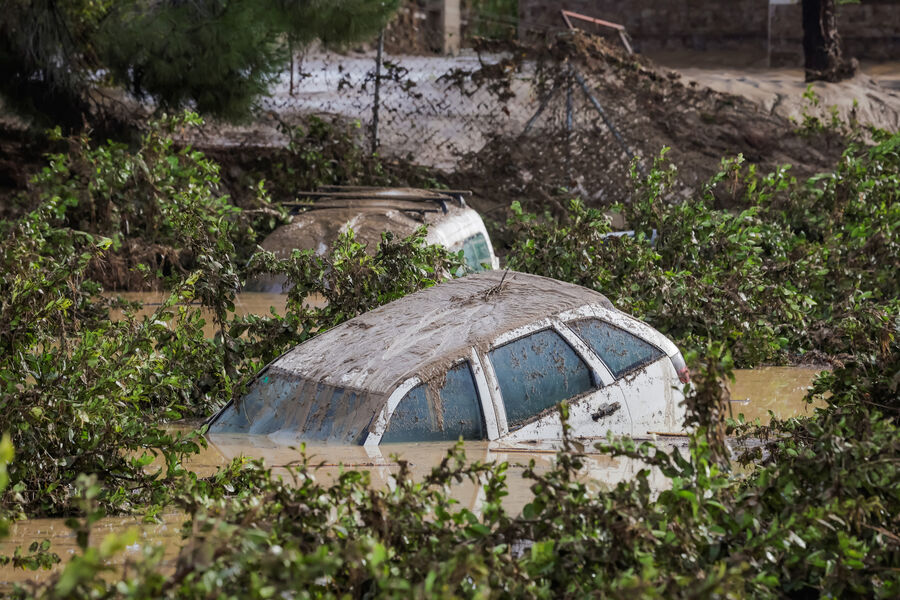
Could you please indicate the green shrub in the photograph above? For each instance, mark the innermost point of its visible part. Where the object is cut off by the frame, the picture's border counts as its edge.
(78, 389)
(155, 202)
(803, 267)
(814, 515)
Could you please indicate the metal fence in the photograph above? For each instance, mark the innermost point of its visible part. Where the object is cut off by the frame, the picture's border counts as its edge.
(572, 118)
(420, 106)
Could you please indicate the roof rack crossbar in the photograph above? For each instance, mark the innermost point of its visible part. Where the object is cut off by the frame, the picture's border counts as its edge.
(297, 207)
(441, 200)
(350, 188)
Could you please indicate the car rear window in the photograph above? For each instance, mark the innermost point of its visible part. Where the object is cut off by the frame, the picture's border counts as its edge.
(476, 253)
(536, 373)
(454, 412)
(621, 351)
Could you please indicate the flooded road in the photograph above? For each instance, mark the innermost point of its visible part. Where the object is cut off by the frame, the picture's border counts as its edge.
(754, 393)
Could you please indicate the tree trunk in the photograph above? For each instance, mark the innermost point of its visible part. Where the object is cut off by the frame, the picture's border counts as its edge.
(824, 56)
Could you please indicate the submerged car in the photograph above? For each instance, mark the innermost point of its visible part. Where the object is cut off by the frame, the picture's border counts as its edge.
(371, 211)
(484, 357)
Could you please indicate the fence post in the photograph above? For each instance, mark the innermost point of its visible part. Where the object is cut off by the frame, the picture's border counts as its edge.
(377, 99)
(570, 120)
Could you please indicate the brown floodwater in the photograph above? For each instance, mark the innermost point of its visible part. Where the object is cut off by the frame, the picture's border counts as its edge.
(328, 462)
(781, 390)
(754, 393)
(245, 303)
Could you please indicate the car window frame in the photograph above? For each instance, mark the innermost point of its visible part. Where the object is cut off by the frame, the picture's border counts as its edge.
(383, 420)
(600, 374)
(624, 322)
(488, 387)
(633, 368)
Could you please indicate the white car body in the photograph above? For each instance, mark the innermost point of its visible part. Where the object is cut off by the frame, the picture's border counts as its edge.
(527, 341)
(369, 212)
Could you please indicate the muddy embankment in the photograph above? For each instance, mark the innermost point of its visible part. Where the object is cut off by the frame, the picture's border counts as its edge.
(702, 115)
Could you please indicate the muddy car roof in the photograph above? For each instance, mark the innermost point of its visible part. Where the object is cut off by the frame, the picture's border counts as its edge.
(422, 333)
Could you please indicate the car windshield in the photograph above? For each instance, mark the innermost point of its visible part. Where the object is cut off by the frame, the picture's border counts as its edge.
(280, 401)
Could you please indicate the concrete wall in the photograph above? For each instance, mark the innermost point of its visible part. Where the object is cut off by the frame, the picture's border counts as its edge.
(662, 24)
(871, 30)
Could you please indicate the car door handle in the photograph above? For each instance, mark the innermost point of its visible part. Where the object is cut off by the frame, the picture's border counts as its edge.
(605, 411)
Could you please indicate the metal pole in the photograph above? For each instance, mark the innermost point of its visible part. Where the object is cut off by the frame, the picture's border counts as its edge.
(541, 108)
(570, 121)
(291, 50)
(606, 120)
(377, 99)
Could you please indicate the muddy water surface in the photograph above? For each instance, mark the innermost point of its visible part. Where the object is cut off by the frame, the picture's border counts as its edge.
(328, 462)
(166, 533)
(780, 390)
(245, 303)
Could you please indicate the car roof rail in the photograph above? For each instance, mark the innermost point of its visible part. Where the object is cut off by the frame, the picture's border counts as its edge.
(375, 189)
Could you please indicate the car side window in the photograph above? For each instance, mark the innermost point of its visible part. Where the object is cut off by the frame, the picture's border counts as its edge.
(621, 351)
(454, 412)
(537, 372)
(476, 252)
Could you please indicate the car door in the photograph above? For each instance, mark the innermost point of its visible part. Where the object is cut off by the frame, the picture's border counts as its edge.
(641, 370)
(531, 370)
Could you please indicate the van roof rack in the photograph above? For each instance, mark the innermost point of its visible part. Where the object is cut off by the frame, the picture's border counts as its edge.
(376, 196)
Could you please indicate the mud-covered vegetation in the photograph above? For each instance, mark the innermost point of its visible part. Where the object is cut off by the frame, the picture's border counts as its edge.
(644, 108)
(794, 269)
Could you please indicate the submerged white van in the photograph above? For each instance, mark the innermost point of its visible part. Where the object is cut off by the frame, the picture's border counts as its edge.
(371, 211)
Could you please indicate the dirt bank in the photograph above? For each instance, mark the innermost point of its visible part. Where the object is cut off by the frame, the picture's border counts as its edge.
(872, 97)
(650, 108)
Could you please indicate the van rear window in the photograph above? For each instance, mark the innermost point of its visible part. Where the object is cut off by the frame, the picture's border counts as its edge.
(476, 253)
